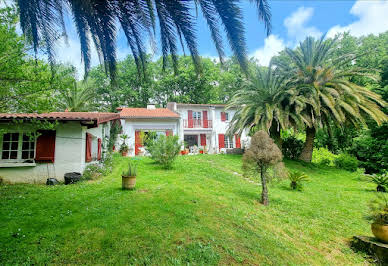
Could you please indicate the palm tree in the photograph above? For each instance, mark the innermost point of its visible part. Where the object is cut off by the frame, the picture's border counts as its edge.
(43, 22)
(325, 88)
(78, 98)
(267, 104)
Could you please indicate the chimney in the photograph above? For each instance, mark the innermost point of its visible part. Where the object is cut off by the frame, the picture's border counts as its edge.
(171, 106)
(150, 106)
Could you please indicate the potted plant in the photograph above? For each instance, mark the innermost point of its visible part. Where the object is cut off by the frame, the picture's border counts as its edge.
(124, 147)
(379, 218)
(201, 151)
(129, 176)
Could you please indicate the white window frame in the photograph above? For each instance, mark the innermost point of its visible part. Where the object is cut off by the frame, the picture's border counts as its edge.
(20, 147)
(197, 115)
(228, 142)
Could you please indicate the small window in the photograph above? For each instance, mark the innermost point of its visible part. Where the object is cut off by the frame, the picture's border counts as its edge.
(18, 146)
(197, 115)
(228, 142)
(226, 116)
(10, 146)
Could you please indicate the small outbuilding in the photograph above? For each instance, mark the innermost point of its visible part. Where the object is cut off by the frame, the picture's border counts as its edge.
(34, 147)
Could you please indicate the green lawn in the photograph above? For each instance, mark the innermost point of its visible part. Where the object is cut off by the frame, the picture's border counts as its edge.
(200, 212)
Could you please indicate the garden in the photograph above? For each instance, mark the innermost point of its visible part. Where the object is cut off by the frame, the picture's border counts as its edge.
(201, 211)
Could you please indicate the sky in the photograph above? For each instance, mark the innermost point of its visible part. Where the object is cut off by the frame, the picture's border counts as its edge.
(292, 21)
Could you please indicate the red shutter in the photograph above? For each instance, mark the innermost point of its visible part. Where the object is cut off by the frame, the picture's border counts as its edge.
(138, 143)
(238, 142)
(169, 133)
(223, 116)
(88, 150)
(205, 123)
(45, 146)
(203, 139)
(99, 149)
(190, 118)
(221, 141)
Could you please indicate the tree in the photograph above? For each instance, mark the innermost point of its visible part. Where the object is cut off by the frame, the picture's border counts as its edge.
(265, 104)
(259, 157)
(325, 88)
(42, 20)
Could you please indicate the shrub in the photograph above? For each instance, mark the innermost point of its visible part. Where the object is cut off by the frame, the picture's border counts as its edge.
(324, 157)
(164, 149)
(262, 154)
(347, 162)
(297, 178)
(381, 180)
(96, 170)
(292, 147)
(132, 169)
(379, 210)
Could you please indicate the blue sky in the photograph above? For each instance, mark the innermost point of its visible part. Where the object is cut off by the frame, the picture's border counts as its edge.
(292, 21)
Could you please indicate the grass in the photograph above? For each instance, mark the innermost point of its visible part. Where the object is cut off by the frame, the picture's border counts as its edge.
(201, 212)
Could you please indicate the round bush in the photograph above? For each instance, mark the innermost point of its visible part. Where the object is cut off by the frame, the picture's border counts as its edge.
(347, 162)
(292, 148)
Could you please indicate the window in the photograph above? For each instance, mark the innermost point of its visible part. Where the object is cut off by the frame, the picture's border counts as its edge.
(228, 142)
(197, 115)
(18, 146)
(226, 116)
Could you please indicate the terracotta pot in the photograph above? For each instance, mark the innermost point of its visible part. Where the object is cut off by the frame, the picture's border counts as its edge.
(380, 231)
(124, 153)
(128, 182)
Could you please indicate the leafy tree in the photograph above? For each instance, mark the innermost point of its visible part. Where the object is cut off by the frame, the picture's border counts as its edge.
(259, 157)
(42, 20)
(325, 89)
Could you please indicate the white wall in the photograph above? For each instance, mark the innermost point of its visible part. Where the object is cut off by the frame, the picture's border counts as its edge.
(219, 127)
(70, 144)
(132, 125)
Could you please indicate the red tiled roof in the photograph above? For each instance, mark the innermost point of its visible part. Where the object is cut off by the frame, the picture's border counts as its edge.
(201, 104)
(67, 116)
(147, 113)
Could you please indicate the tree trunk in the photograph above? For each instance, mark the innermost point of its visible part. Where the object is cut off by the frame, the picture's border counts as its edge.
(264, 192)
(307, 152)
(275, 134)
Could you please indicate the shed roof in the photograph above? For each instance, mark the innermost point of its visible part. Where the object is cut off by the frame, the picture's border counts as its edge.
(63, 116)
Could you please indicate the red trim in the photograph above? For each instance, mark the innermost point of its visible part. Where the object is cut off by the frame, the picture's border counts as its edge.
(88, 149)
(190, 118)
(223, 116)
(205, 123)
(203, 139)
(99, 149)
(169, 133)
(45, 146)
(138, 143)
(221, 141)
(238, 142)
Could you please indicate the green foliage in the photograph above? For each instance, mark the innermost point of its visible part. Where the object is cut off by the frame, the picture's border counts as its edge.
(164, 150)
(381, 180)
(97, 170)
(297, 178)
(115, 129)
(378, 210)
(347, 162)
(292, 147)
(324, 157)
(132, 168)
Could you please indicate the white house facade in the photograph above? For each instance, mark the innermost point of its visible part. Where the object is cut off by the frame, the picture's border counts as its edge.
(206, 125)
(77, 140)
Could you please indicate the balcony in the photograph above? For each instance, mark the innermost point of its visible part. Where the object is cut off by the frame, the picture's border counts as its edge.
(197, 123)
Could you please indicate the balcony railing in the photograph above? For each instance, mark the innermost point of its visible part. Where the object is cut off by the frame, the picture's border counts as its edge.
(197, 123)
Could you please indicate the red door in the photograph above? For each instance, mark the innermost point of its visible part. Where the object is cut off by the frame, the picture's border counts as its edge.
(138, 142)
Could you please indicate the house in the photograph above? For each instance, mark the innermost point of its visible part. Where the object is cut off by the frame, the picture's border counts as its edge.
(74, 140)
(137, 121)
(206, 125)
(197, 125)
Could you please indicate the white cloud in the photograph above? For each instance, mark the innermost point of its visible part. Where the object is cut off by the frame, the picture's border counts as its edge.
(296, 24)
(272, 46)
(372, 19)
